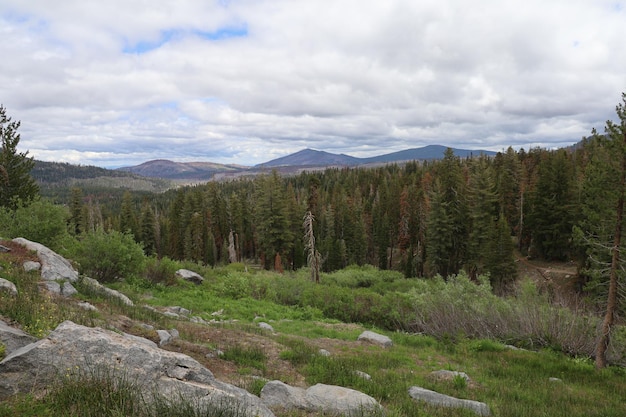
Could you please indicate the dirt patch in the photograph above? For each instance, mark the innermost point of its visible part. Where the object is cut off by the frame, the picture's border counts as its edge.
(17, 253)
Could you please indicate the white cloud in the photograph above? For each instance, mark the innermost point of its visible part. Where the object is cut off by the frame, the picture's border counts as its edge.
(244, 81)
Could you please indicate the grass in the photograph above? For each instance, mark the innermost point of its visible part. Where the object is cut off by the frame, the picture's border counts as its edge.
(515, 383)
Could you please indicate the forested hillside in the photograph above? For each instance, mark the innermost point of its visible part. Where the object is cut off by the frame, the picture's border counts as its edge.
(423, 219)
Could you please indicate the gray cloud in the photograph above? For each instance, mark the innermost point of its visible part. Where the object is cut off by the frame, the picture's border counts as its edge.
(118, 83)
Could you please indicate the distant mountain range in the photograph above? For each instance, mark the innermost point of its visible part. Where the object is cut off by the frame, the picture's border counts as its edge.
(302, 160)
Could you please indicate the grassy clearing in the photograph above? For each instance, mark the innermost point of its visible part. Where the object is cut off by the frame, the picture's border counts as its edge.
(512, 382)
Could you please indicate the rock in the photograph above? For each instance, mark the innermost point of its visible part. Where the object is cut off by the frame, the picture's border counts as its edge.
(190, 276)
(8, 286)
(67, 289)
(179, 310)
(276, 394)
(175, 334)
(86, 306)
(99, 288)
(378, 339)
(445, 375)
(553, 379)
(266, 326)
(31, 266)
(363, 375)
(323, 352)
(53, 265)
(171, 315)
(198, 319)
(442, 400)
(13, 338)
(164, 337)
(327, 399)
(70, 346)
(53, 286)
(339, 400)
(4, 249)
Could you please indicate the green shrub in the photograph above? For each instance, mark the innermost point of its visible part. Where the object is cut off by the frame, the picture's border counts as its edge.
(233, 285)
(161, 271)
(3, 350)
(41, 221)
(109, 256)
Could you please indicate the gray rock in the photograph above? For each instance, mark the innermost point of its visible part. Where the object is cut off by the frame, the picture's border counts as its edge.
(86, 306)
(323, 352)
(378, 339)
(276, 394)
(99, 288)
(363, 375)
(31, 266)
(190, 276)
(198, 319)
(164, 337)
(67, 289)
(179, 310)
(53, 286)
(13, 338)
(442, 400)
(70, 346)
(339, 400)
(175, 334)
(445, 375)
(327, 399)
(553, 379)
(266, 326)
(8, 286)
(171, 315)
(53, 265)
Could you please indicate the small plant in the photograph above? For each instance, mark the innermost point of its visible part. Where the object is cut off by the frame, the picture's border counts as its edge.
(459, 382)
(246, 356)
(3, 350)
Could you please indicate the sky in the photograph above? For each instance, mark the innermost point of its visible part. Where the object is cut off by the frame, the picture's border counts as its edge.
(120, 82)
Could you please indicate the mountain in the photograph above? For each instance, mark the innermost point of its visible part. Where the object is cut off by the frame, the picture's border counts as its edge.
(311, 157)
(163, 168)
(426, 152)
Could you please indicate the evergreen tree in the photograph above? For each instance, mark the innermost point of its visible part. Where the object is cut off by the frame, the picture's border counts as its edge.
(602, 223)
(272, 219)
(482, 206)
(128, 216)
(148, 226)
(552, 216)
(499, 259)
(16, 184)
(448, 219)
(76, 220)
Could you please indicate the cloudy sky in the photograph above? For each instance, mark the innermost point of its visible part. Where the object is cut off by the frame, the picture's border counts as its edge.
(120, 82)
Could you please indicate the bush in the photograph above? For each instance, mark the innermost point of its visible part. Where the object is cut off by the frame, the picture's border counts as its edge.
(41, 221)
(161, 271)
(109, 256)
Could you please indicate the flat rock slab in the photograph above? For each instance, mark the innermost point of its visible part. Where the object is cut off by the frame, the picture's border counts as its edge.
(327, 399)
(442, 400)
(53, 266)
(70, 346)
(378, 339)
(13, 338)
(190, 276)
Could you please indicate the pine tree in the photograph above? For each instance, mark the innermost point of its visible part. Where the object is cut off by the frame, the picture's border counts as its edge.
(76, 220)
(272, 218)
(16, 184)
(601, 227)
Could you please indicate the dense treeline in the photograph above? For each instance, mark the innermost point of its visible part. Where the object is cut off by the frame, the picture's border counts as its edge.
(422, 218)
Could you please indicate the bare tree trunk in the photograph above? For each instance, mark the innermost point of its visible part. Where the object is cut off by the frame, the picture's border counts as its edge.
(611, 307)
